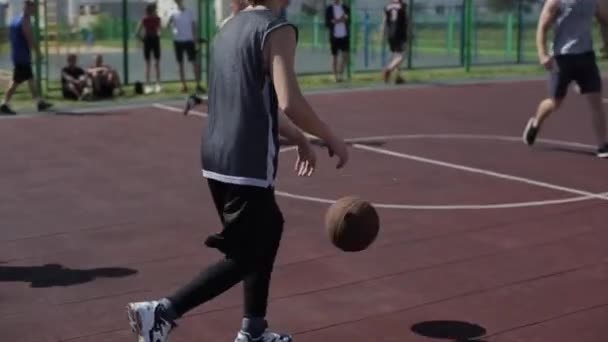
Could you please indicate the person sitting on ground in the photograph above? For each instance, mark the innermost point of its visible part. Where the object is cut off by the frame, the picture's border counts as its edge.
(105, 79)
(74, 80)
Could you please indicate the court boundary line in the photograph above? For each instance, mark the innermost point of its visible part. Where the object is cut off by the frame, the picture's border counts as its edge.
(582, 195)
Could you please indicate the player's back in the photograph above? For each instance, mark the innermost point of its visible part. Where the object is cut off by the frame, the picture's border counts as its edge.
(20, 51)
(241, 142)
(573, 27)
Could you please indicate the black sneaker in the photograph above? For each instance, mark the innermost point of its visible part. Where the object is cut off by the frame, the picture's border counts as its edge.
(43, 106)
(192, 101)
(530, 132)
(602, 152)
(6, 110)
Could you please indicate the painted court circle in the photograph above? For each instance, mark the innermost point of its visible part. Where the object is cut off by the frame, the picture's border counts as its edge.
(582, 195)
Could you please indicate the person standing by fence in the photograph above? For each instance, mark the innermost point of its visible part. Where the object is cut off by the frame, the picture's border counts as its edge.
(396, 27)
(151, 27)
(337, 21)
(21, 38)
(184, 39)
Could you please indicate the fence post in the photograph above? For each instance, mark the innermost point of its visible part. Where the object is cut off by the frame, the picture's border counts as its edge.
(520, 31)
(509, 47)
(353, 32)
(315, 31)
(463, 32)
(366, 35)
(125, 41)
(37, 53)
(411, 27)
(450, 39)
(468, 9)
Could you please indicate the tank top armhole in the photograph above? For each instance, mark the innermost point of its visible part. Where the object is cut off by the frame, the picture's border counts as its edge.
(276, 26)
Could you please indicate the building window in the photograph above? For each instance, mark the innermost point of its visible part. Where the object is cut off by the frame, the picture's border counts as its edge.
(440, 10)
(83, 10)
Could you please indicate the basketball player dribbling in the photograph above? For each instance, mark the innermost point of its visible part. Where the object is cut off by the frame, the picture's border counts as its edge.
(251, 77)
(572, 60)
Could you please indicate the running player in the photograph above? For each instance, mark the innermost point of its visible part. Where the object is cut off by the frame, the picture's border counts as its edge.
(572, 59)
(252, 76)
(21, 38)
(396, 27)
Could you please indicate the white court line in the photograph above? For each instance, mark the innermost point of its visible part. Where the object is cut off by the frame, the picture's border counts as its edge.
(179, 110)
(513, 205)
(482, 171)
(583, 195)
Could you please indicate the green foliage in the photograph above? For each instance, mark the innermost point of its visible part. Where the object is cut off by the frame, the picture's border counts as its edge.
(104, 26)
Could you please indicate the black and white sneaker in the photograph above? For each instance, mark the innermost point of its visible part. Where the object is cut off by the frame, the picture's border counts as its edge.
(530, 132)
(602, 152)
(193, 101)
(148, 320)
(265, 337)
(6, 110)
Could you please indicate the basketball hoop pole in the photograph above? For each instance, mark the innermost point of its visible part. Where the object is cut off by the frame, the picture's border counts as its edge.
(125, 42)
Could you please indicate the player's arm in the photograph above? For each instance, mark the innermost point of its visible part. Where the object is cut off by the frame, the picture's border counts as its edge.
(547, 18)
(282, 47)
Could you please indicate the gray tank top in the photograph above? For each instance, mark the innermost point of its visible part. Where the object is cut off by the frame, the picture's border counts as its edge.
(573, 27)
(240, 143)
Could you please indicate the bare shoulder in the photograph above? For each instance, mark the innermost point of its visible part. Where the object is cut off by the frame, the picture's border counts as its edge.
(284, 34)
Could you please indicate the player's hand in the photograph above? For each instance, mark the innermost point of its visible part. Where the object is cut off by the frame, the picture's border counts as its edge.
(337, 147)
(307, 159)
(546, 61)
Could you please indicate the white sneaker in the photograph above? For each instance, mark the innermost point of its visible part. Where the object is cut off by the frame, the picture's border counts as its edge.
(147, 90)
(266, 337)
(157, 88)
(147, 321)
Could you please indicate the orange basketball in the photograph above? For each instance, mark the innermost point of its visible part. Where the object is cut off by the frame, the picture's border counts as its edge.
(352, 224)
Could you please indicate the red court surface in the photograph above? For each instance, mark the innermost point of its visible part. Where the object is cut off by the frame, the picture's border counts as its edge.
(483, 238)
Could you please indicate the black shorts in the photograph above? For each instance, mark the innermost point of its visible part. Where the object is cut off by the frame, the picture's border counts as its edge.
(580, 68)
(22, 73)
(152, 47)
(188, 47)
(339, 44)
(397, 44)
(251, 219)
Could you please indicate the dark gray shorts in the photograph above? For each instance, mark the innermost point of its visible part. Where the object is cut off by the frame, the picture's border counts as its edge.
(580, 68)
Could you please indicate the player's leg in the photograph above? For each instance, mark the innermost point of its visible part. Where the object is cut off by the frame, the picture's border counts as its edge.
(256, 284)
(559, 81)
(5, 108)
(157, 55)
(589, 81)
(154, 320)
(334, 57)
(179, 57)
(344, 56)
(147, 56)
(192, 53)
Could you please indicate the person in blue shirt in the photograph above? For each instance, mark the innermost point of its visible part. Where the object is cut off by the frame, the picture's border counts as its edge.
(21, 39)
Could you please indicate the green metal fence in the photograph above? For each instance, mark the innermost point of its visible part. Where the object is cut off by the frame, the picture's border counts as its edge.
(455, 33)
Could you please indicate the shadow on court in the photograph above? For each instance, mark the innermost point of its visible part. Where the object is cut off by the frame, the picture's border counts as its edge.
(52, 275)
(571, 150)
(454, 331)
